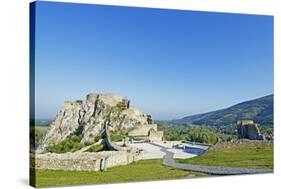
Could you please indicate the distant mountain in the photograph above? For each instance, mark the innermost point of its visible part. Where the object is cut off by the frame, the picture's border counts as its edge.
(260, 110)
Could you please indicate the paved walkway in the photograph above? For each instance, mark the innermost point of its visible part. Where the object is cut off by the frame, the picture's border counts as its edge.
(168, 160)
(150, 151)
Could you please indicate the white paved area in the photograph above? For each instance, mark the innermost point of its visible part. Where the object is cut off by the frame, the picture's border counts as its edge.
(153, 152)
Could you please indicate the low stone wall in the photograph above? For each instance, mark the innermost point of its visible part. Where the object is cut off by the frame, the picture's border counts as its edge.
(143, 130)
(84, 161)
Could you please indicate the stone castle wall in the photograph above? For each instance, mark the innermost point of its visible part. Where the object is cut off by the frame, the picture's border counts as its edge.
(83, 161)
(156, 135)
(245, 122)
(143, 130)
(249, 130)
(72, 104)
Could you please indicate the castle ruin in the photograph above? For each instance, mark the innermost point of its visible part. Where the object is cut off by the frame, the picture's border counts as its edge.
(249, 130)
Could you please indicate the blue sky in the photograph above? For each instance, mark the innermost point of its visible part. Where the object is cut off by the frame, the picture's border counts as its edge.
(170, 63)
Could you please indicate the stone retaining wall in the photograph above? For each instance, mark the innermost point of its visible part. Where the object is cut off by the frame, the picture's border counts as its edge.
(85, 161)
(143, 130)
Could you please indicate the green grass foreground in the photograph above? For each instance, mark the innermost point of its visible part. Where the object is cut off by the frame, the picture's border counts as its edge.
(144, 170)
(244, 154)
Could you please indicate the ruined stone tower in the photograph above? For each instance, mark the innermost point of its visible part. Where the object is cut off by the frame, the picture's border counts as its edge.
(249, 130)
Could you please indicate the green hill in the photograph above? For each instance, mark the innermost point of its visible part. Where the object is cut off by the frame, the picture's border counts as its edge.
(260, 110)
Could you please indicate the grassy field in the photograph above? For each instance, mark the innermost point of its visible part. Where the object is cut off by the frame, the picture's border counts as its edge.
(145, 170)
(246, 154)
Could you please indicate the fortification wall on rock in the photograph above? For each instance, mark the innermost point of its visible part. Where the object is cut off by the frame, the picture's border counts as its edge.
(248, 129)
(88, 119)
(107, 98)
(84, 161)
(143, 130)
(245, 122)
(92, 97)
(155, 135)
(72, 104)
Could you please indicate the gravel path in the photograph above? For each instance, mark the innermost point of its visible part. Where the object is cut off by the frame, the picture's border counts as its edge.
(168, 160)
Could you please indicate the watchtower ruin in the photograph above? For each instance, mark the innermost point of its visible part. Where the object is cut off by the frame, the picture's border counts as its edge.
(249, 130)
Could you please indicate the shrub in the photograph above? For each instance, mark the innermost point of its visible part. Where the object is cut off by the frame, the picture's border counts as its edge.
(68, 145)
(173, 132)
(121, 106)
(201, 134)
(96, 148)
(97, 138)
(116, 137)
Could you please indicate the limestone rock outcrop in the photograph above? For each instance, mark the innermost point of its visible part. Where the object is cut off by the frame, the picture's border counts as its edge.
(88, 118)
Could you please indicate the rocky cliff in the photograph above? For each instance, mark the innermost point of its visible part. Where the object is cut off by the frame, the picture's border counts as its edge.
(89, 118)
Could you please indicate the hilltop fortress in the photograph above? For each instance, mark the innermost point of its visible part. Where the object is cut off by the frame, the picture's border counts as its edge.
(89, 118)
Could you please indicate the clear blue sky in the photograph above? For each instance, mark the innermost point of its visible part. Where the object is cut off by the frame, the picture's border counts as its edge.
(170, 63)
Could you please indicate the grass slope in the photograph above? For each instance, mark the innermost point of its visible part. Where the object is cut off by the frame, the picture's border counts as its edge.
(144, 170)
(246, 154)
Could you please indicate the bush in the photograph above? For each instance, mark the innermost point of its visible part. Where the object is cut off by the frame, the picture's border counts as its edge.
(90, 142)
(173, 133)
(68, 145)
(116, 137)
(96, 148)
(121, 106)
(201, 135)
(97, 138)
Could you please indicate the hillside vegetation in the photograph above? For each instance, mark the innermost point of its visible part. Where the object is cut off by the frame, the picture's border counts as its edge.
(177, 132)
(201, 135)
(260, 110)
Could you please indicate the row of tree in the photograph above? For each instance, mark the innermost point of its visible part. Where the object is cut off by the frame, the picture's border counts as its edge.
(177, 132)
